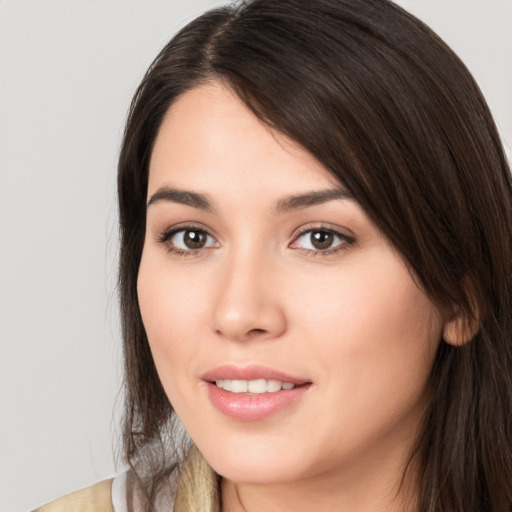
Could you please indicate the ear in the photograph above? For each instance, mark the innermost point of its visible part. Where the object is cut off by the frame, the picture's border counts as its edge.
(460, 329)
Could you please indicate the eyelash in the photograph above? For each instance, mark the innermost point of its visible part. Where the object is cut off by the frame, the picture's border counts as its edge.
(166, 236)
(346, 241)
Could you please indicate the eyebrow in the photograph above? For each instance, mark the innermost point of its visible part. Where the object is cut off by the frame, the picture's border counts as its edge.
(314, 198)
(174, 195)
(287, 204)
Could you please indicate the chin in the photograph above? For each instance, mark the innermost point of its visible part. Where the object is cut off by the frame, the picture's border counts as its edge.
(257, 475)
(258, 466)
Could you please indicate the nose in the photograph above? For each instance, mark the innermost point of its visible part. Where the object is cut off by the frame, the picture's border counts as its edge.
(247, 304)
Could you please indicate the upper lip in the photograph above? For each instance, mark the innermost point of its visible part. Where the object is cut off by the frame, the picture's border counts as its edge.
(249, 372)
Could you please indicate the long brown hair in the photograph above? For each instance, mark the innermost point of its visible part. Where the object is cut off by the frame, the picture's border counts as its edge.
(392, 112)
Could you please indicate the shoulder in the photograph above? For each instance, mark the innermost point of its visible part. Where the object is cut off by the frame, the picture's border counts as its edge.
(119, 494)
(96, 498)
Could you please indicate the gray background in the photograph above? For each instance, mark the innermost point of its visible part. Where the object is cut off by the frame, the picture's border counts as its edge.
(67, 73)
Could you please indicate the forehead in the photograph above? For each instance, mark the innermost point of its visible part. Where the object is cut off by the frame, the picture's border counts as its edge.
(209, 136)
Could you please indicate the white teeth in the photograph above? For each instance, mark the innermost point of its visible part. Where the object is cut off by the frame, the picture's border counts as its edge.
(239, 386)
(255, 387)
(273, 386)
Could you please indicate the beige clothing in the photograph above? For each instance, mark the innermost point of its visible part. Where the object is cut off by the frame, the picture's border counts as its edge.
(97, 498)
(198, 492)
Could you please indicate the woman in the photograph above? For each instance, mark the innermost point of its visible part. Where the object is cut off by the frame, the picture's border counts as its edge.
(315, 272)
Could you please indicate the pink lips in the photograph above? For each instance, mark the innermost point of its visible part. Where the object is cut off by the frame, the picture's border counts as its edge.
(252, 407)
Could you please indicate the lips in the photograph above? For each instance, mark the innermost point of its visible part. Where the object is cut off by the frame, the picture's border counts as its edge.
(252, 372)
(254, 392)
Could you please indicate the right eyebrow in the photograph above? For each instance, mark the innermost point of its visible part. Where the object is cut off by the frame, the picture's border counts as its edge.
(174, 195)
(314, 198)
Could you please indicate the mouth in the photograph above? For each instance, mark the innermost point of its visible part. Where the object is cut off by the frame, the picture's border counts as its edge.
(254, 375)
(253, 387)
(253, 392)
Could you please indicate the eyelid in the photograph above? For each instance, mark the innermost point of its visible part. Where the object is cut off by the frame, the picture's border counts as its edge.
(347, 240)
(165, 236)
(322, 226)
(165, 233)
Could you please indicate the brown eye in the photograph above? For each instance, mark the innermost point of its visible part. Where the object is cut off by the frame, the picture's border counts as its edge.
(321, 240)
(194, 239)
(188, 240)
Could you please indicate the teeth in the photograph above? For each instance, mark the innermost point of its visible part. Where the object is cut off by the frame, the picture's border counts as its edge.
(255, 387)
(239, 386)
(273, 386)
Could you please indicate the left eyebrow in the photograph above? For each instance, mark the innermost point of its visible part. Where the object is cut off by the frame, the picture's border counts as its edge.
(174, 195)
(312, 199)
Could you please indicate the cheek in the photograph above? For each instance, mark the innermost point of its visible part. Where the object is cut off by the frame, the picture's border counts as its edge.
(371, 341)
(395, 339)
(378, 335)
(171, 313)
(380, 309)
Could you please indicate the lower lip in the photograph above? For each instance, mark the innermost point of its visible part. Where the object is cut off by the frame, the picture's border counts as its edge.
(245, 407)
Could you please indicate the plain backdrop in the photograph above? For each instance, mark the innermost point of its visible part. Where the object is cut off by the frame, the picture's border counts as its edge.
(67, 74)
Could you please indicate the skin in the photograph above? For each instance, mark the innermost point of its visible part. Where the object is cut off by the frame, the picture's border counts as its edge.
(350, 319)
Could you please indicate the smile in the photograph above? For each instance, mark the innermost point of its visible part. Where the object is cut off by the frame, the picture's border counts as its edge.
(254, 406)
(253, 392)
(255, 387)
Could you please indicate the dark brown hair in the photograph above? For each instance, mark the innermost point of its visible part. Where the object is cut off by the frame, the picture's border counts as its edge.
(392, 112)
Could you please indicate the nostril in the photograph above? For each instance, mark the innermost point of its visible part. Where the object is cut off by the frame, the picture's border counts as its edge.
(257, 331)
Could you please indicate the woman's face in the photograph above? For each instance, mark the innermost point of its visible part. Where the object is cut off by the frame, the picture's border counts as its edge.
(260, 272)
